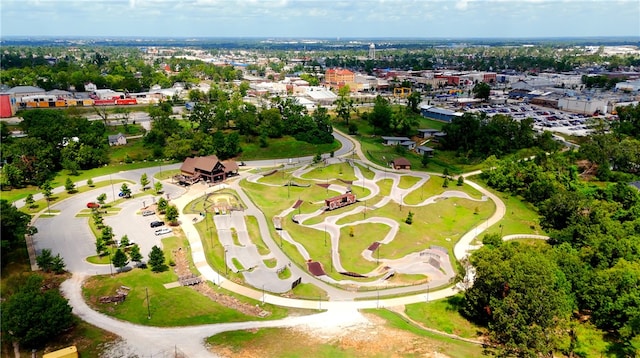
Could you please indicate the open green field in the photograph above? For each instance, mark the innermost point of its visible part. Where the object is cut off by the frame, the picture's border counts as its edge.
(363, 236)
(179, 306)
(433, 186)
(330, 172)
(520, 218)
(285, 147)
(441, 223)
(443, 315)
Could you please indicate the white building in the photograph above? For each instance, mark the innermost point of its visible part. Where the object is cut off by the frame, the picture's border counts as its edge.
(582, 105)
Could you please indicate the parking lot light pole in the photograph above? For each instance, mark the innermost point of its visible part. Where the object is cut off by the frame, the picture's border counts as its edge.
(226, 267)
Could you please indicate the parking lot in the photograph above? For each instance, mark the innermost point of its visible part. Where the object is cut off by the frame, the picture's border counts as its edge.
(544, 118)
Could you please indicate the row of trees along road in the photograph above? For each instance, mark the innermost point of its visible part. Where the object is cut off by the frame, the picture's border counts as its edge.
(50, 146)
(531, 296)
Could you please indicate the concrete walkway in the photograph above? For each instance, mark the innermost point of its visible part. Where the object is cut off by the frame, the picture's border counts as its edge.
(341, 309)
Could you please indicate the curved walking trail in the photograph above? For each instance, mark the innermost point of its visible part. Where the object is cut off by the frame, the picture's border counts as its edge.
(341, 309)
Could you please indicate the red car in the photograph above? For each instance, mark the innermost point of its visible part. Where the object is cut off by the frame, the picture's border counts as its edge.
(93, 205)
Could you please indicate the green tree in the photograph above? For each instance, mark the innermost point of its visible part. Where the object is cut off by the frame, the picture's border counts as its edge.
(380, 117)
(13, 224)
(119, 259)
(29, 201)
(107, 234)
(460, 180)
(158, 187)
(58, 265)
(32, 316)
(101, 198)
(101, 247)
(124, 241)
(156, 259)
(135, 254)
(425, 159)
(409, 219)
(413, 101)
(172, 214)
(125, 190)
(90, 183)
(69, 186)
(144, 181)
(522, 297)
(482, 91)
(47, 190)
(162, 205)
(317, 158)
(344, 104)
(45, 260)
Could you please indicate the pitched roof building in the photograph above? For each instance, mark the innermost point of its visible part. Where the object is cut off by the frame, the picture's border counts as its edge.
(209, 168)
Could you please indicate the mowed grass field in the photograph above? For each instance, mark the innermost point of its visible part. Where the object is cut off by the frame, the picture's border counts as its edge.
(180, 306)
(441, 223)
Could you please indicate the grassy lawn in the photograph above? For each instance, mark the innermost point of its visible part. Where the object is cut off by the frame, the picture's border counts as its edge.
(433, 186)
(308, 291)
(41, 204)
(366, 172)
(61, 177)
(443, 315)
(330, 172)
(179, 306)
(253, 229)
(285, 147)
(166, 174)
(520, 218)
(133, 151)
(407, 181)
(441, 223)
(351, 247)
(451, 347)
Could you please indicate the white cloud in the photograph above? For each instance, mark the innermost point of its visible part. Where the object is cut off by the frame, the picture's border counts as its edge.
(462, 5)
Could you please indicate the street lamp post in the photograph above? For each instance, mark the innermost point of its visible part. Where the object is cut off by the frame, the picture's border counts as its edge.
(325, 235)
(113, 191)
(226, 267)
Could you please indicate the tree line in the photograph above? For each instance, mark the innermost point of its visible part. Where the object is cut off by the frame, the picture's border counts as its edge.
(530, 296)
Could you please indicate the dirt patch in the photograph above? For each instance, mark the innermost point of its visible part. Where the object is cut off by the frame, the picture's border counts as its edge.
(371, 339)
(182, 269)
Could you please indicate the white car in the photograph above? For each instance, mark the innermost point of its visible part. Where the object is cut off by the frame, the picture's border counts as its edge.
(164, 230)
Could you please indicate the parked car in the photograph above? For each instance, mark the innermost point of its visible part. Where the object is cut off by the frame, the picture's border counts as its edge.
(148, 212)
(156, 223)
(164, 230)
(93, 205)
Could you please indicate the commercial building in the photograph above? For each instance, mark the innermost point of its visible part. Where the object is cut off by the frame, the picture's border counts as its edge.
(340, 77)
(583, 105)
(440, 114)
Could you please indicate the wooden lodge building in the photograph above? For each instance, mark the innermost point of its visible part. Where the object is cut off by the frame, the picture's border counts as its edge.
(339, 201)
(209, 169)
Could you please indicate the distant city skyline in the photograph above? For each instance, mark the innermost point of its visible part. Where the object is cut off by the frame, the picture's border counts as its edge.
(321, 19)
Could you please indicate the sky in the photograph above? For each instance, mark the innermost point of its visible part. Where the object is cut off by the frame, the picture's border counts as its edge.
(321, 18)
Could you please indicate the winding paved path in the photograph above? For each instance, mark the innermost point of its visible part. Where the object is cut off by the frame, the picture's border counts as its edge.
(340, 310)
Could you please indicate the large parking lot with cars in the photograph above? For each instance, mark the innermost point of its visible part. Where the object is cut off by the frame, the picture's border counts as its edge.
(544, 118)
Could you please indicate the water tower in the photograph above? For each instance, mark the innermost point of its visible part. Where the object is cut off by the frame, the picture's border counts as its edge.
(372, 52)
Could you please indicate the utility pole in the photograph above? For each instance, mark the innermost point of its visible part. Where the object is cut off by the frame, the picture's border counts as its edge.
(148, 309)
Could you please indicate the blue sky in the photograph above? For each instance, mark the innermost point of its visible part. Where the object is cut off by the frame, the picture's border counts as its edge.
(321, 18)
